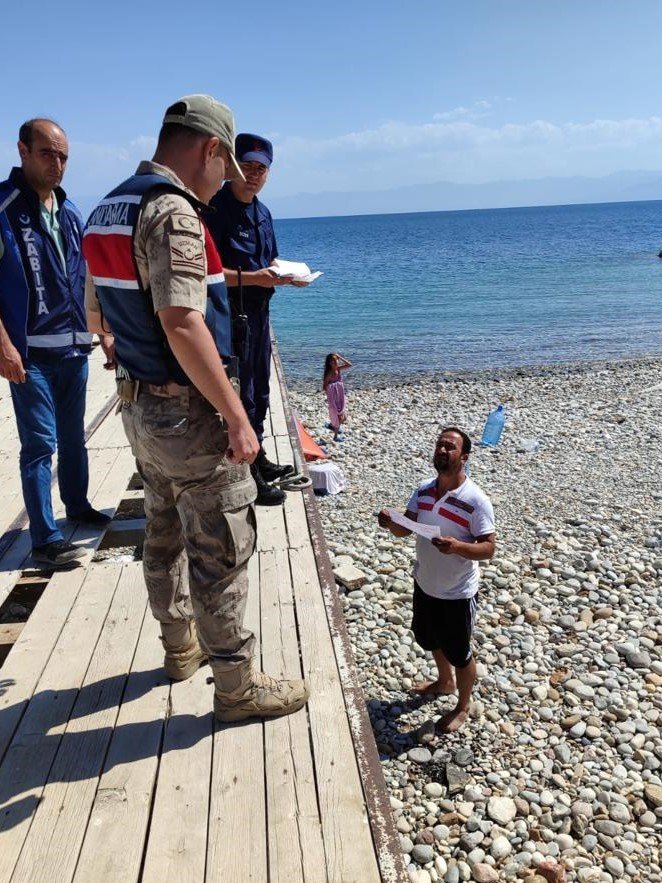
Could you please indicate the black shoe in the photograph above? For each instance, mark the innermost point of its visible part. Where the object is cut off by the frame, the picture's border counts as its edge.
(267, 494)
(90, 518)
(272, 471)
(57, 554)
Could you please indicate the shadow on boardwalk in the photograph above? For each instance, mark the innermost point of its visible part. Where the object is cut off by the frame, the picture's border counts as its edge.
(37, 757)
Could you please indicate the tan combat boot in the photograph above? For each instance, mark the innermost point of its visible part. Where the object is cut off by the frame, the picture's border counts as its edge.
(183, 656)
(242, 692)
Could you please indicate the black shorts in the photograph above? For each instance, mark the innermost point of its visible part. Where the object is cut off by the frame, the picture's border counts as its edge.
(444, 624)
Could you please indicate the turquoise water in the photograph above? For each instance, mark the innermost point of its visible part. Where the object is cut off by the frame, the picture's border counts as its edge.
(446, 291)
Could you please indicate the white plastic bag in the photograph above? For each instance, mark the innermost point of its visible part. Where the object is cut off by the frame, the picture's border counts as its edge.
(327, 478)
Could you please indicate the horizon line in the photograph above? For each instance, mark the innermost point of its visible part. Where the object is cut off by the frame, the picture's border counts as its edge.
(487, 208)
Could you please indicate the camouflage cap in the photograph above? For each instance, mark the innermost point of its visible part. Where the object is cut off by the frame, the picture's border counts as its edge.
(204, 114)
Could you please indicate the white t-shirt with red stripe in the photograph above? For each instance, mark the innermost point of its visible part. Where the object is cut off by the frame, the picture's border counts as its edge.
(464, 513)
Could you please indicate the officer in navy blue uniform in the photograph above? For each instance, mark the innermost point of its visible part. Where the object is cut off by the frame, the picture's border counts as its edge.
(243, 231)
(44, 341)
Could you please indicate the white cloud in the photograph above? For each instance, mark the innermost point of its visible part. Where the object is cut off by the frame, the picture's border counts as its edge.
(459, 149)
(454, 114)
(465, 151)
(477, 110)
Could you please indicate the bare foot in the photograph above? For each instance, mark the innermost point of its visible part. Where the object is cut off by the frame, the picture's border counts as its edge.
(434, 688)
(452, 721)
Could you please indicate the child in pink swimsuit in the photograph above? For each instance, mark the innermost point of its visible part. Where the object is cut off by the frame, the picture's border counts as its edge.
(334, 388)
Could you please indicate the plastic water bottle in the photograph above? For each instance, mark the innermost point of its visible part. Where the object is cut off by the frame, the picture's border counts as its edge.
(494, 427)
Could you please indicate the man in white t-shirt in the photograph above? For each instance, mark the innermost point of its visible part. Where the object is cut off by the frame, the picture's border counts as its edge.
(446, 570)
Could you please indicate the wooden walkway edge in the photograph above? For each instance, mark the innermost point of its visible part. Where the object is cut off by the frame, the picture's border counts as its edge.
(386, 840)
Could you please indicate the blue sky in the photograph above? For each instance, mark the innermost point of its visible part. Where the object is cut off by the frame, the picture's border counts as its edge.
(356, 96)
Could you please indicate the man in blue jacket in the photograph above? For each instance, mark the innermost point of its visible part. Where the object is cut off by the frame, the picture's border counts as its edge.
(44, 342)
(243, 231)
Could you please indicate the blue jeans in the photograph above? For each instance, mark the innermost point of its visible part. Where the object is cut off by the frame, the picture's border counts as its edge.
(50, 414)
(255, 369)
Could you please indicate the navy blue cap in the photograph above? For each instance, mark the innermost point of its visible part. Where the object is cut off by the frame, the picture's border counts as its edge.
(253, 148)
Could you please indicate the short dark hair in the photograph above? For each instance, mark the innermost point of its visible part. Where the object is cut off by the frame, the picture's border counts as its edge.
(466, 441)
(26, 132)
(172, 133)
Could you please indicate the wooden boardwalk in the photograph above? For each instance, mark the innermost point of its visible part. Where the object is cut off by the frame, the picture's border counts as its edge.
(109, 772)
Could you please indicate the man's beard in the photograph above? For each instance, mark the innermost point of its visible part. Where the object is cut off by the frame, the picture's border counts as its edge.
(441, 465)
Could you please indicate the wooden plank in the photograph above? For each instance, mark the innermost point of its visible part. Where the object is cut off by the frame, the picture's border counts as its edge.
(100, 384)
(278, 422)
(296, 852)
(296, 520)
(113, 428)
(118, 437)
(25, 769)
(117, 831)
(270, 528)
(269, 445)
(99, 389)
(9, 474)
(59, 824)
(278, 417)
(106, 435)
(134, 495)
(12, 495)
(8, 428)
(178, 832)
(29, 655)
(237, 843)
(347, 838)
(283, 449)
(9, 632)
(18, 553)
(109, 474)
(32, 578)
(127, 525)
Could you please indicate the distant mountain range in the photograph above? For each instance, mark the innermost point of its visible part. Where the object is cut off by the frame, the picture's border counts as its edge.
(623, 186)
(446, 196)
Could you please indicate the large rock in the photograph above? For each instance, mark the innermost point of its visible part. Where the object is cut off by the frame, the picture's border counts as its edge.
(551, 872)
(618, 812)
(653, 794)
(470, 840)
(420, 755)
(501, 809)
(483, 873)
(500, 848)
(638, 660)
(422, 853)
(350, 576)
(457, 779)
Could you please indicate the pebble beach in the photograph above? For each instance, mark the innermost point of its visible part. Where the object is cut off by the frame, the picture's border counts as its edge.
(558, 774)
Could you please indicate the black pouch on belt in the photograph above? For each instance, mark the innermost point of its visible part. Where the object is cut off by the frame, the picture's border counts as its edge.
(240, 331)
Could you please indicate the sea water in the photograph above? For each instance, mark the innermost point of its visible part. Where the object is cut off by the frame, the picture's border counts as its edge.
(450, 291)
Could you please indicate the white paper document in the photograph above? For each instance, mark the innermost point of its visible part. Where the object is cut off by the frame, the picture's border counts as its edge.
(429, 531)
(299, 271)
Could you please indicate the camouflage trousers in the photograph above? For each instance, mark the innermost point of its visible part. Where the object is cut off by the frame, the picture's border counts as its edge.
(201, 527)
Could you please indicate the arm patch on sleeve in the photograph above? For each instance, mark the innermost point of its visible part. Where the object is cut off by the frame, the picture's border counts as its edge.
(186, 245)
(190, 225)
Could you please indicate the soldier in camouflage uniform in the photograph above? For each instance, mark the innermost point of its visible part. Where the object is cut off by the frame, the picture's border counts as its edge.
(149, 253)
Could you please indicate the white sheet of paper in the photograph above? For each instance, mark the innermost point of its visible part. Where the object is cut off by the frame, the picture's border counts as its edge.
(297, 269)
(429, 531)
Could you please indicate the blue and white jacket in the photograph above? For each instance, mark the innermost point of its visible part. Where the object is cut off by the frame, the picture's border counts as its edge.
(42, 304)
